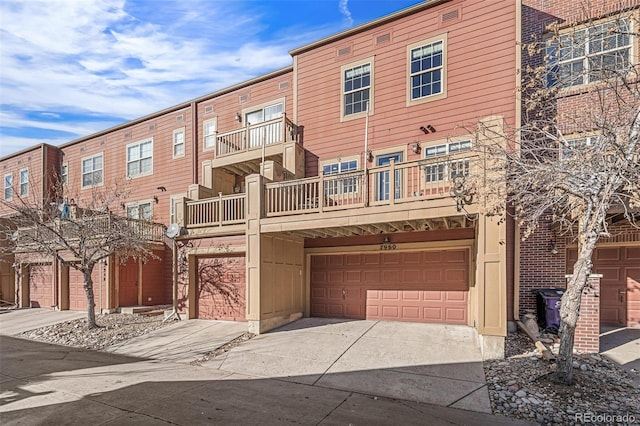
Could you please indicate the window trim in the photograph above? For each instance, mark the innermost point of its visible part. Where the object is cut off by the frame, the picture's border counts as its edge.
(126, 158)
(253, 108)
(632, 59)
(138, 204)
(184, 142)
(371, 61)
(26, 192)
(445, 67)
(172, 206)
(82, 160)
(213, 120)
(64, 177)
(10, 187)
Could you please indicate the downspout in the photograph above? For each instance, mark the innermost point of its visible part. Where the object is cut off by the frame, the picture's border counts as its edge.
(518, 117)
(194, 142)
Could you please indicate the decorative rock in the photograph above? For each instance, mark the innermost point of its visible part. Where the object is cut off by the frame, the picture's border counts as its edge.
(521, 394)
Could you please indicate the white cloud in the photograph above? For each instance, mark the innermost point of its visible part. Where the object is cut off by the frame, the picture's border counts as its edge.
(344, 9)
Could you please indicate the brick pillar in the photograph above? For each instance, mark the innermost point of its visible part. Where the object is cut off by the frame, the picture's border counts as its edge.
(587, 337)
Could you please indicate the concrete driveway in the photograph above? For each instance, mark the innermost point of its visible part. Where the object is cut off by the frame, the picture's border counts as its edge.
(16, 321)
(429, 363)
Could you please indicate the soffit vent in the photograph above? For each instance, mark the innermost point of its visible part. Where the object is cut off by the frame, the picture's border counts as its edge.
(383, 38)
(450, 16)
(152, 127)
(283, 85)
(208, 109)
(127, 135)
(180, 117)
(244, 98)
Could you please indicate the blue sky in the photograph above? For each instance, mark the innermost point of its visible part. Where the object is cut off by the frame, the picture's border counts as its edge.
(69, 68)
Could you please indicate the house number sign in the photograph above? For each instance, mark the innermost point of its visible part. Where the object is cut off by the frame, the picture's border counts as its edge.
(387, 246)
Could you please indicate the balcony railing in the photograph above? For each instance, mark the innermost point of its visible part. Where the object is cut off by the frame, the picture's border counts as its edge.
(217, 211)
(386, 185)
(255, 136)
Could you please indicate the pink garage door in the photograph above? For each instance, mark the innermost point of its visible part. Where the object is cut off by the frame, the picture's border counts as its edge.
(221, 288)
(424, 286)
(41, 286)
(619, 285)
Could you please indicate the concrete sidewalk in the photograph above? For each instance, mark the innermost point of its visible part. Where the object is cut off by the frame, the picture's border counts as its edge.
(48, 384)
(622, 346)
(16, 321)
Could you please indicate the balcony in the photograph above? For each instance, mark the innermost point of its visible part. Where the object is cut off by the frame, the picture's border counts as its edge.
(415, 185)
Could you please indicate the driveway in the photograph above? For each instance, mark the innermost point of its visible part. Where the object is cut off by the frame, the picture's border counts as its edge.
(429, 363)
(16, 321)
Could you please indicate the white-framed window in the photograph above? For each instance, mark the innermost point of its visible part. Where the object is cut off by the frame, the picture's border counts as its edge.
(64, 173)
(140, 158)
(24, 182)
(92, 168)
(209, 133)
(343, 185)
(8, 187)
(140, 210)
(356, 88)
(447, 169)
(178, 142)
(589, 54)
(427, 68)
(569, 145)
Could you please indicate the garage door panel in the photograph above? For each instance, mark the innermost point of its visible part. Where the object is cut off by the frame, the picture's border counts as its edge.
(41, 286)
(431, 286)
(608, 253)
(633, 253)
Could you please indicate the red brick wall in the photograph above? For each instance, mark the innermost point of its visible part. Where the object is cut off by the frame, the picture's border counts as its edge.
(587, 334)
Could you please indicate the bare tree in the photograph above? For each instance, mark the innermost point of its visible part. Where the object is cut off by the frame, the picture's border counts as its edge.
(575, 160)
(79, 233)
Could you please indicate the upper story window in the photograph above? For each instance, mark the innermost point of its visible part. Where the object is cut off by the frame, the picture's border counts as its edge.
(267, 133)
(209, 132)
(141, 210)
(178, 143)
(92, 168)
(343, 185)
(427, 80)
(8, 187)
(356, 88)
(569, 146)
(589, 54)
(447, 169)
(140, 158)
(64, 174)
(24, 182)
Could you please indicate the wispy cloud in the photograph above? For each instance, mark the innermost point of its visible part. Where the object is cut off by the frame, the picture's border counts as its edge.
(344, 9)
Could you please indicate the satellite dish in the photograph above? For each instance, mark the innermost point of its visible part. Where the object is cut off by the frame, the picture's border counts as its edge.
(173, 230)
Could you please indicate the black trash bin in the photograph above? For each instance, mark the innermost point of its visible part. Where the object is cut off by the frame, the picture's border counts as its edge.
(548, 304)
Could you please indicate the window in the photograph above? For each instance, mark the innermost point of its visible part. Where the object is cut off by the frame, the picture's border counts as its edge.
(426, 70)
(92, 171)
(569, 145)
(178, 143)
(8, 187)
(140, 158)
(356, 89)
(140, 211)
(344, 185)
(589, 54)
(450, 168)
(209, 132)
(64, 174)
(24, 182)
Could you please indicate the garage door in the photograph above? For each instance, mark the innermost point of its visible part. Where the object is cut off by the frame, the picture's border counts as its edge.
(619, 285)
(221, 288)
(425, 286)
(41, 286)
(77, 295)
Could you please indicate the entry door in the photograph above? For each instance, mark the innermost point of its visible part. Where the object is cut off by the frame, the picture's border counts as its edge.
(128, 283)
(267, 134)
(383, 177)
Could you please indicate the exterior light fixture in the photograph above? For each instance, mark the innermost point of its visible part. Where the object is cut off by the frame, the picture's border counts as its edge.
(238, 117)
(415, 147)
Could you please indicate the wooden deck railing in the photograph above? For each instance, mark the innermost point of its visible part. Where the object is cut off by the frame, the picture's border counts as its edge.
(386, 185)
(216, 211)
(255, 136)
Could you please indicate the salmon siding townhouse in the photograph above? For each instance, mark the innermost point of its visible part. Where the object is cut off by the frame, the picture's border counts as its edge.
(332, 188)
